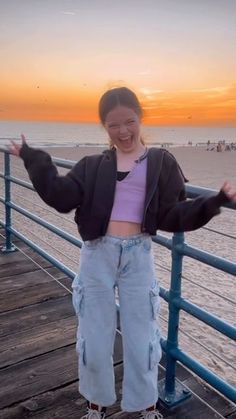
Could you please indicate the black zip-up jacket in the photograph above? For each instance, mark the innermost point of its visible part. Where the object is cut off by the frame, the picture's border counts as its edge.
(89, 187)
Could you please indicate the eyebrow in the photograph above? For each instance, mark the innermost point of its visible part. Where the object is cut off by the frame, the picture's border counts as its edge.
(115, 122)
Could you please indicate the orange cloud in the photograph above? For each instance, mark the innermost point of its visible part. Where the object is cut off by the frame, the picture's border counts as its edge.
(197, 106)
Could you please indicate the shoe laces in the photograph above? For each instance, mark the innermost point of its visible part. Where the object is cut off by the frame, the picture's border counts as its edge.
(93, 414)
(152, 414)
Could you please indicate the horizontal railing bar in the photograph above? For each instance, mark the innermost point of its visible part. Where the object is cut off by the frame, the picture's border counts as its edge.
(203, 372)
(46, 224)
(45, 208)
(4, 150)
(194, 191)
(67, 164)
(163, 241)
(203, 315)
(202, 345)
(199, 285)
(41, 252)
(26, 230)
(188, 335)
(207, 258)
(20, 182)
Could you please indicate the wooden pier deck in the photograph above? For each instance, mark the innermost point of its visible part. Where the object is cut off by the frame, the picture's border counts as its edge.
(38, 362)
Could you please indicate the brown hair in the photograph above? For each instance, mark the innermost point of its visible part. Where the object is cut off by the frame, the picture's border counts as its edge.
(119, 96)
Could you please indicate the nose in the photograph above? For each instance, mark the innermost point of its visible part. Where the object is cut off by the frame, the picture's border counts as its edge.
(123, 129)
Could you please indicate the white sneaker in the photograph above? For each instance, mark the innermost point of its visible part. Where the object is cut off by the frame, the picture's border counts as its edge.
(150, 414)
(94, 414)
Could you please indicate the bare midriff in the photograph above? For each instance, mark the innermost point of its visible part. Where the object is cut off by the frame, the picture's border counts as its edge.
(123, 228)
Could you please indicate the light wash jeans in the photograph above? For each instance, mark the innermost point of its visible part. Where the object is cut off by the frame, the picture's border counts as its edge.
(125, 264)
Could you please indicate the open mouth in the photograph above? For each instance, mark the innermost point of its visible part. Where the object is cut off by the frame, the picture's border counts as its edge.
(126, 141)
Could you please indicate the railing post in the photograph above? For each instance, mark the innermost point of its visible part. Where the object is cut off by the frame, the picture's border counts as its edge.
(171, 392)
(9, 247)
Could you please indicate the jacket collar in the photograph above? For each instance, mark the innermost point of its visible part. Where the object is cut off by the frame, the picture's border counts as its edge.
(105, 182)
(154, 166)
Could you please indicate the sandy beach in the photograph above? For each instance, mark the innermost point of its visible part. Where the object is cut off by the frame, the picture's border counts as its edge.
(212, 290)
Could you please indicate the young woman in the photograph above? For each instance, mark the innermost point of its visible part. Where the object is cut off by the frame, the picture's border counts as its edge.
(121, 197)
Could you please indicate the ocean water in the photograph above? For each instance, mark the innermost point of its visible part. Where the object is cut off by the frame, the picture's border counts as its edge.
(69, 134)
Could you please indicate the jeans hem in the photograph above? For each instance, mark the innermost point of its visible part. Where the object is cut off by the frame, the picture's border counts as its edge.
(139, 408)
(94, 401)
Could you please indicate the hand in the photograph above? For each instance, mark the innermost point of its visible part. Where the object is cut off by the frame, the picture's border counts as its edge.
(15, 148)
(229, 191)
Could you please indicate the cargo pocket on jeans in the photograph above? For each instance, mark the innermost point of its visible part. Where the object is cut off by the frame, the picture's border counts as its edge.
(155, 352)
(80, 347)
(78, 296)
(154, 297)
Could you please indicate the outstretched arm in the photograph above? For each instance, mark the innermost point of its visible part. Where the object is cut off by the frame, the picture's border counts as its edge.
(176, 215)
(63, 193)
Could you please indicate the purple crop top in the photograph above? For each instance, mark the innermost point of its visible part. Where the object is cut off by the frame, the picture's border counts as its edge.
(130, 195)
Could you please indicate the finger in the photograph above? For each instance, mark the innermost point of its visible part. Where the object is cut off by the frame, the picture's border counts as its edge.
(23, 138)
(225, 184)
(11, 149)
(15, 145)
(233, 196)
(226, 187)
(14, 148)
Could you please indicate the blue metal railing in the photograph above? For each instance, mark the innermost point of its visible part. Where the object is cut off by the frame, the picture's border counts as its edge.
(171, 391)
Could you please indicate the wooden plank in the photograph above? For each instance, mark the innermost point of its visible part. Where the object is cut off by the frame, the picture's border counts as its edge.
(16, 263)
(47, 337)
(20, 320)
(37, 375)
(35, 294)
(65, 402)
(192, 408)
(26, 279)
(213, 398)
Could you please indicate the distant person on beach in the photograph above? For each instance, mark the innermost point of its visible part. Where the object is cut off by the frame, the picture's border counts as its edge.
(219, 147)
(121, 197)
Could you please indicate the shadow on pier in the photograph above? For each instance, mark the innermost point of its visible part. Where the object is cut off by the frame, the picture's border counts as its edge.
(38, 361)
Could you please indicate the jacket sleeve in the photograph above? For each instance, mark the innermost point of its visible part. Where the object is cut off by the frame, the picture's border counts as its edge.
(176, 214)
(63, 193)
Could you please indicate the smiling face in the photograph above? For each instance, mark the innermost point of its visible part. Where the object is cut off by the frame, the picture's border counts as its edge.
(123, 127)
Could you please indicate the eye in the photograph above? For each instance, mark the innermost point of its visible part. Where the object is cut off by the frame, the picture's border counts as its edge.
(130, 121)
(113, 126)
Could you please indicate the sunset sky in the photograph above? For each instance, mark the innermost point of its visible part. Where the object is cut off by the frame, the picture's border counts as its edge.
(58, 56)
